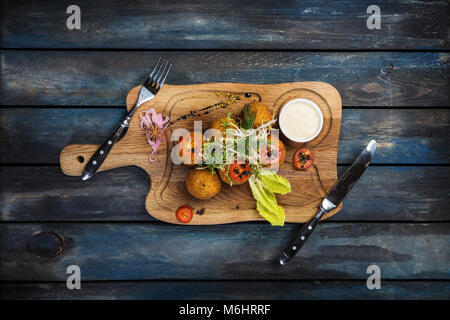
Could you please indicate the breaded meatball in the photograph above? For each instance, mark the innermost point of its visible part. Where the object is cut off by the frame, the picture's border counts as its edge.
(224, 176)
(202, 184)
(261, 111)
(235, 173)
(220, 124)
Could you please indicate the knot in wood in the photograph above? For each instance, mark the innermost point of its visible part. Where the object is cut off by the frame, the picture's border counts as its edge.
(46, 244)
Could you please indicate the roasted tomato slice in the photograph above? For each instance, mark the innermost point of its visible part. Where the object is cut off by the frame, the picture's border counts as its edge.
(274, 152)
(184, 214)
(303, 159)
(192, 146)
(239, 172)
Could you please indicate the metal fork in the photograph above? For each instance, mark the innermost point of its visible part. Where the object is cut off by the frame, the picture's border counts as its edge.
(147, 92)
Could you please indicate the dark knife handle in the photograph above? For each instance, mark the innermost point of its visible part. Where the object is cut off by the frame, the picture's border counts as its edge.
(100, 155)
(301, 237)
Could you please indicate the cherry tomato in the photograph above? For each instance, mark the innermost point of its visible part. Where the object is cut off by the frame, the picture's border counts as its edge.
(239, 172)
(193, 147)
(273, 153)
(184, 214)
(303, 159)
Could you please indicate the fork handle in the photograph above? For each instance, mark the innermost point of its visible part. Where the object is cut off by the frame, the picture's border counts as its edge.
(100, 155)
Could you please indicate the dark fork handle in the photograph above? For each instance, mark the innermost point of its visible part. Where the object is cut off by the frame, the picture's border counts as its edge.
(300, 238)
(100, 155)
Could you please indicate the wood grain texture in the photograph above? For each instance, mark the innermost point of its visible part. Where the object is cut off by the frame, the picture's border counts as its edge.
(232, 24)
(137, 251)
(168, 189)
(99, 78)
(234, 290)
(45, 194)
(104, 226)
(404, 136)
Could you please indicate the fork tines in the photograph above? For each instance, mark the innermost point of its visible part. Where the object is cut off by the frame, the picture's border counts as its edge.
(158, 75)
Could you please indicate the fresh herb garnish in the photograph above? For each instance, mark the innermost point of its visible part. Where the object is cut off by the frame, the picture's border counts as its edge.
(248, 118)
(227, 122)
(212, 151)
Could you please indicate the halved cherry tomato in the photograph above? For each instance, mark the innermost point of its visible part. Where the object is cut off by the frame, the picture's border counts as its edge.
(303, 159)
(192, 146)
(184, 214)
(274, 152)
(239, 172)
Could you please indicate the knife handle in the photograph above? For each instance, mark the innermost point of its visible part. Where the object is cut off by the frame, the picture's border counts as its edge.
(300, 238)
(100, 155)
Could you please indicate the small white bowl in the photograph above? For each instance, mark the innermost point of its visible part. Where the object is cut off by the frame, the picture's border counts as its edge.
(314, 106)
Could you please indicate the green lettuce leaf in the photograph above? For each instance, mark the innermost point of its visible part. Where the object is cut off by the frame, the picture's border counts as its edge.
(276, 217)
(266, 203)
(274, 182)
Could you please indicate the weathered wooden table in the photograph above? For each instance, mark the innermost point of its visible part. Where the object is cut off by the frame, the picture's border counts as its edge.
(61, 86)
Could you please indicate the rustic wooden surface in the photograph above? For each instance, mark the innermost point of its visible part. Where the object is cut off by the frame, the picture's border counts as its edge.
(394, 84)
(363, 79)
(43, 193)
(404, 136)
(234, 290)
(200, 24)
(230, 251)
(167, 189)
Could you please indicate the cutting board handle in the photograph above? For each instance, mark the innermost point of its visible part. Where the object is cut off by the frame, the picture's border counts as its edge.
(73, 158)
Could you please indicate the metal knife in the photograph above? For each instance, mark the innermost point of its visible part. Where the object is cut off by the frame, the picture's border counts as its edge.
(331, 201)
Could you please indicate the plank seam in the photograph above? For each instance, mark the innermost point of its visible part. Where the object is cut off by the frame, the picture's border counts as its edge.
(446, 50)
(229, 280)
(156, 222)
(29, 164)
(92, 107)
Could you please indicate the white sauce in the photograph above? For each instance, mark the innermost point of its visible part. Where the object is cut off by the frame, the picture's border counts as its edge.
(300, 120)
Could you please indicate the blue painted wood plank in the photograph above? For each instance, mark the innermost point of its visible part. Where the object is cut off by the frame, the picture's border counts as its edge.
(202, 24)
(45, 194)
(99, 78)
(235, 290)
(404, 136)
(136, 251)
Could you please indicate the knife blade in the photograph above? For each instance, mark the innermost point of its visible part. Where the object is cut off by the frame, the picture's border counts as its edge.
(331, 201)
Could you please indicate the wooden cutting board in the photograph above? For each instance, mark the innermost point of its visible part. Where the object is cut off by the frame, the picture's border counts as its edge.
(233, 204)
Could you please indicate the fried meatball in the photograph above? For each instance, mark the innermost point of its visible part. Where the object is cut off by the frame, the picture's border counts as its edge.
(261, 111)
(202, 183)
(219, 124)
(235, 173)
(224, 175)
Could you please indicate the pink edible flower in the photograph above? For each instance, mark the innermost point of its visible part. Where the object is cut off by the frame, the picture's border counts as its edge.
(154, 125)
